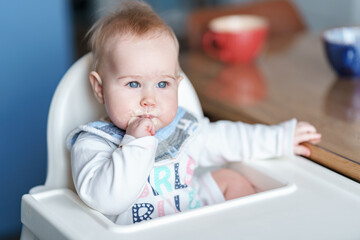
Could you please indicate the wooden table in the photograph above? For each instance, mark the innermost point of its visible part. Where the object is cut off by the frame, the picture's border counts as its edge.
(291, 79)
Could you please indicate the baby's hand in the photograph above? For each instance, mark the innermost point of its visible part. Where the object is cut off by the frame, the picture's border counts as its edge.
(141, 127)
(305, 132)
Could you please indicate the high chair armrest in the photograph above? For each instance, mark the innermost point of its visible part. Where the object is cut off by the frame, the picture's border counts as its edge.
(61, 213)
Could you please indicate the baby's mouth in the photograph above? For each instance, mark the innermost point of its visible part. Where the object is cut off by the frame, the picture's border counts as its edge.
(153, 118)
(146, 116)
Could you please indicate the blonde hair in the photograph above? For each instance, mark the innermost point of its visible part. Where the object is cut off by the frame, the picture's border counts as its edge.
(131, 18)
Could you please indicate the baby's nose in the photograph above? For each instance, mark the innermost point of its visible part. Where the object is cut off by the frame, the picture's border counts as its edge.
(148, 101)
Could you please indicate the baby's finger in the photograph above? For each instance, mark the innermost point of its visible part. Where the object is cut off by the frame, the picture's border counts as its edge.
(315, 141)
(307, 137)
(147, 124)
(302, 150)
(152, 130)
(303, 127)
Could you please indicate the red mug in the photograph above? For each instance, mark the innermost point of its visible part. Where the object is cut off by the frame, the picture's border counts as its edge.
(236, 38)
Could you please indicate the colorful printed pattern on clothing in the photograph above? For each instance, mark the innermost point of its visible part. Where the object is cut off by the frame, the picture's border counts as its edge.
(166, 192)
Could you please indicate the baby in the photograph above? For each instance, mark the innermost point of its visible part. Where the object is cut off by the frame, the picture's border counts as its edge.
(139, 162)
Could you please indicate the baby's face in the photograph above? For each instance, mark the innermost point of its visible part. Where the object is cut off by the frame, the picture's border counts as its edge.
(139, 80)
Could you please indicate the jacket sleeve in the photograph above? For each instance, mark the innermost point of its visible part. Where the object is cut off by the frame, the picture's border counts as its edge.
(109, 178)
(226, 141)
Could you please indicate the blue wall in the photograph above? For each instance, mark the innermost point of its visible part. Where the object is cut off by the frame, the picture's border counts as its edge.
(35, 50)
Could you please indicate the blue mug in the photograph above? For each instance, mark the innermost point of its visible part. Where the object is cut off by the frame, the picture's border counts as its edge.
(342, 47)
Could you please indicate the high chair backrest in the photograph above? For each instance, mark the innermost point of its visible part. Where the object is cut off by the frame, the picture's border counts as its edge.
(74, 104)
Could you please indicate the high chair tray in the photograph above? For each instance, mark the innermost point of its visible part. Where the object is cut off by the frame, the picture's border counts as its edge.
(297, 199)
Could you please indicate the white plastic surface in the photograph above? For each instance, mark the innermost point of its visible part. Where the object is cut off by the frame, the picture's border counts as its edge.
(312, 203)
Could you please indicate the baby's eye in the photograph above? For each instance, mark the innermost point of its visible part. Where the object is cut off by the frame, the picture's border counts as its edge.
(162, 84)
(133, 84)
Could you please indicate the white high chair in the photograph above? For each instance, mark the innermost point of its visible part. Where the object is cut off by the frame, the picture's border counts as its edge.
(54, 211)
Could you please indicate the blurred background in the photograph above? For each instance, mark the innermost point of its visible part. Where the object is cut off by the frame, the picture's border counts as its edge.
(39, 41)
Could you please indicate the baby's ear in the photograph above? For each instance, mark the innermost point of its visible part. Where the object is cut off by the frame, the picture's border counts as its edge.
(179, 77)
(96, 84)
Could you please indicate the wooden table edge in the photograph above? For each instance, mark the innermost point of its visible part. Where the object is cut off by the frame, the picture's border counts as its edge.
(335, 162)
